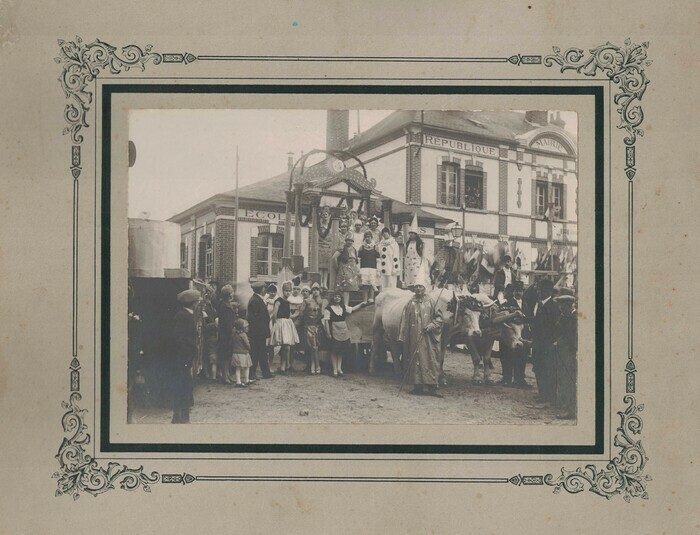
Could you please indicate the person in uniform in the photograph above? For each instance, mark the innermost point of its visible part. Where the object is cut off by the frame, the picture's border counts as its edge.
(184, 332)
(310, 315)
(420, 332)
(544, 335)
(258, 331)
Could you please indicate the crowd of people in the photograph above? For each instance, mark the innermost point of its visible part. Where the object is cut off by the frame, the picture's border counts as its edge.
(219, 340)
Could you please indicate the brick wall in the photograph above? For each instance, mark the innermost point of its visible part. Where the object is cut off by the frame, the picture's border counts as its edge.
(224, 251)
(413, 167)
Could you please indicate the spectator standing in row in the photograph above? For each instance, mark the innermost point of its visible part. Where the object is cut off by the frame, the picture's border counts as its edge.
(184, 333)
(259, 331)
(228, 313)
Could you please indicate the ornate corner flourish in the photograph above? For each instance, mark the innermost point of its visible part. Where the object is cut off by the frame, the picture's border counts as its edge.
(79, 472)
(623, 474)
(624, 65)
(82, 63)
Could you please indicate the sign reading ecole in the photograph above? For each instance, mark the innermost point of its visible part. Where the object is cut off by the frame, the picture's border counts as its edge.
(264, 215)
(456, 145)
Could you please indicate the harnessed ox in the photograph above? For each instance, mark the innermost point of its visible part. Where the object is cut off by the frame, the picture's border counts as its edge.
(459, 322)
(484, 323)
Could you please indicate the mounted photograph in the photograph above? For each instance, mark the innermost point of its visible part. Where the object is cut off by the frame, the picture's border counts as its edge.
(330, 266)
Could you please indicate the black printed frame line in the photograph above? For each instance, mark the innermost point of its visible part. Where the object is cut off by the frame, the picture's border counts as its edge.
(81, 65)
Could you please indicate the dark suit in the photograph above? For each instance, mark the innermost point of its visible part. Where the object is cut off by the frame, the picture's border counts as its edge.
(544, 335)
(499, 280)
(513, 360)
(185, 353)
(258, 333)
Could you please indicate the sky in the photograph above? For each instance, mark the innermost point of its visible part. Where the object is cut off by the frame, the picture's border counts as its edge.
(186, 156)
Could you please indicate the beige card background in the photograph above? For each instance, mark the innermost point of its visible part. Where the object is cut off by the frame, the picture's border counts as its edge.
(35, 261)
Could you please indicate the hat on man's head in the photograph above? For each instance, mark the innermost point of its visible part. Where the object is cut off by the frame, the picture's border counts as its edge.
(257, 285)
(349, 237)
(188, 297)
(545, 284)
(227, 291)
(518, 285)
(563, 290)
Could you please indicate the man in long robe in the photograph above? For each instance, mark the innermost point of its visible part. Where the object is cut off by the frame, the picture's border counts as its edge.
(420, 331)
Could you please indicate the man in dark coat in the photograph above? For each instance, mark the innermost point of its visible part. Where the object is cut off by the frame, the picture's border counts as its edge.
(258, 331)
(518, 357)
(544, 335)
(566, 363)
(503, 277)
(185, 337)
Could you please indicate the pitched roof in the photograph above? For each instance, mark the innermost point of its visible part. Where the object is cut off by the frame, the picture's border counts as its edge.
(501, 125)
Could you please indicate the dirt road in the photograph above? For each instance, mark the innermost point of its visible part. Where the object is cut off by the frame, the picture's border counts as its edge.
(362, 398)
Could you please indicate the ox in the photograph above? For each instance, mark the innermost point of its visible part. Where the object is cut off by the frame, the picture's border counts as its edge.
(482, 324)
(460, 322)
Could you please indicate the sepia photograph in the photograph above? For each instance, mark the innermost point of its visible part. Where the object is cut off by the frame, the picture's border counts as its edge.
(334, 266)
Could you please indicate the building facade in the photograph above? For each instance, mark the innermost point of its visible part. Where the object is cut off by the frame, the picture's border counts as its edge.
(508, 177)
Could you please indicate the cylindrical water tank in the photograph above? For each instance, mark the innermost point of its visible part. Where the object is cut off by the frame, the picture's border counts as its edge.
(154, 246)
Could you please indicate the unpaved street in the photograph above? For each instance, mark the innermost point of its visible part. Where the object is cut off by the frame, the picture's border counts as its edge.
(363, 398)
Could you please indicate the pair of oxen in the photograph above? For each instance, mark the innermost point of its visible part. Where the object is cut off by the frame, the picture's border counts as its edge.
(473, 320)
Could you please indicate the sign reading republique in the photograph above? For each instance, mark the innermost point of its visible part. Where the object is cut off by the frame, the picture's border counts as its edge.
(454, 144)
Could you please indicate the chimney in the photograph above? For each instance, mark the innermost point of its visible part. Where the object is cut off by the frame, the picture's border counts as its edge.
(337, 129)
(537, 117)
(559, 121)
(290, 161)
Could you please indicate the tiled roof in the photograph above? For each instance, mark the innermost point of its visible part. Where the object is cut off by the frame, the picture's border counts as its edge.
(501, 125)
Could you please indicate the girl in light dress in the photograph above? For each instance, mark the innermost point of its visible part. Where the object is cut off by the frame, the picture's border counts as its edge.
(284, 333)
(240, 357)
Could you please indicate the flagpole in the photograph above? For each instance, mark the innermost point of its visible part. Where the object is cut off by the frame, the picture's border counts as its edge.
(235, 228)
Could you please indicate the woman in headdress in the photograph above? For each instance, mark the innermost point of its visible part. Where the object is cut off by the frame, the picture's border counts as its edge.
(348, 278)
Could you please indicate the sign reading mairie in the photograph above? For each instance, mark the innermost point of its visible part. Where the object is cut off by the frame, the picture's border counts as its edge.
(456, 145)
(550, 144)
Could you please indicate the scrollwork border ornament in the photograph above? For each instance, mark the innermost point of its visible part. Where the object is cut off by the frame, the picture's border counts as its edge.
(80, 472)
(624, 65)
(624, 474)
